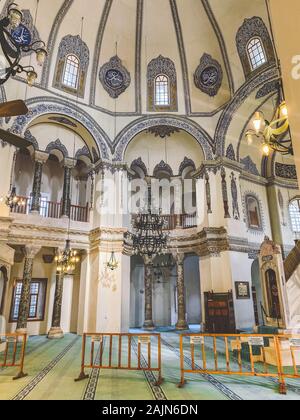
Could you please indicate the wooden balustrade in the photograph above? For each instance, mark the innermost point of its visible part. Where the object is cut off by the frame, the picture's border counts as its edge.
(52, 210)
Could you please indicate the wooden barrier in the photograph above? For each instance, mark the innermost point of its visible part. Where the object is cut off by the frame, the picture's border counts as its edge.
(121, 352)
(12, 352)
(244, 355)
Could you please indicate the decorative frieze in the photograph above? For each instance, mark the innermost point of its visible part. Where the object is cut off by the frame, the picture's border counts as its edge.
(285, 171)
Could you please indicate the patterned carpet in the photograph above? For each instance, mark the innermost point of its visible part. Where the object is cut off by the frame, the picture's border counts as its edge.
(52, 367)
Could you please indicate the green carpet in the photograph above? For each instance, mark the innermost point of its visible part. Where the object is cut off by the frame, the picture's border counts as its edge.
(52, 367)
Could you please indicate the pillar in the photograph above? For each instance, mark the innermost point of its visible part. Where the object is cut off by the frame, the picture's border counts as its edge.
(30, 252)
(66, 199)
(56, 330)
(181, 302)
(285, 22)
(40, 159)
(148, 324)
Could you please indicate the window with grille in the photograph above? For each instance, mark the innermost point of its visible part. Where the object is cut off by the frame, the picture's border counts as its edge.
(162, 91)
(37, 296)
(256, 53)
(71, 72)
(294, 209)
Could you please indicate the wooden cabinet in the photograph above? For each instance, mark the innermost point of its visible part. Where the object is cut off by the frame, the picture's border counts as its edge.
(219, 311)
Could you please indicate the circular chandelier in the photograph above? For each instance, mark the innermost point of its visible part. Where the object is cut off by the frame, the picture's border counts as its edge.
(148, 236)
(15, 40)
(272, 132)
(66, 260)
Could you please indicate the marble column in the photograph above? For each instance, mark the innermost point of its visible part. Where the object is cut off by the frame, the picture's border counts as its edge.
(66, 199)
(181, 305)
(30, 252)
(148, 324)
(56, 330)
(40, 159)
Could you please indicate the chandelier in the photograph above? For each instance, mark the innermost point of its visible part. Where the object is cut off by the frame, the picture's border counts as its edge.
(15, 40)
(272, 132)
(113, 263)
(67, 260)
(148, 236)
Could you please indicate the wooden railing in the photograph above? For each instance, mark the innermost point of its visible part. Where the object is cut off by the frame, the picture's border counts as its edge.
(52, 210)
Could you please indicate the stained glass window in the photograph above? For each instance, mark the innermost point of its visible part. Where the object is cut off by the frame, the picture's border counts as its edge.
(71, 72)
(162, 91)
(256, 53)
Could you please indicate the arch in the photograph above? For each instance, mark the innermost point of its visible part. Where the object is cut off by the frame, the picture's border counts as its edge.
(240, 97)
(294, 214)
(146, 123)
(254, 214)
(57, 145)
(139, 165)
(48, 105)
(3, 288)
(162, 167)
(185, 164)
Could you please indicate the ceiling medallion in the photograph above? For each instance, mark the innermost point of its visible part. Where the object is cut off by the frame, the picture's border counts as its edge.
(209, 75)
(163, 131)
(114, 77)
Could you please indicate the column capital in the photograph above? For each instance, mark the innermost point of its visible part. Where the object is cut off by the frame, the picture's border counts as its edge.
(69, 163)
(147, 260)
(30, 251)
(178, 257)
(40, 157)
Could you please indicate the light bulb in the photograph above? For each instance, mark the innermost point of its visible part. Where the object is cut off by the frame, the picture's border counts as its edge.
(257, 122)
(283, 110)
(266, 149)
(41, 55)
(31, 78)
(15, 16)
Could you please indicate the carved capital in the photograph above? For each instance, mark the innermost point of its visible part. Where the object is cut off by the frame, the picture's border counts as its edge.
(40, 157)
(68, 163)
(30, 251)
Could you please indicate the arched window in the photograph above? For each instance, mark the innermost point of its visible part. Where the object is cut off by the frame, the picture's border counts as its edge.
(71, 72)
(72, 66)
(162, 91)
(294, 210)
(253, 212)
(256, 53)
(162, 85)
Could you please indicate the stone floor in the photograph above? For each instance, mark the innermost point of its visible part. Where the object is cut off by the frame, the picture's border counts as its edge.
(52, 367)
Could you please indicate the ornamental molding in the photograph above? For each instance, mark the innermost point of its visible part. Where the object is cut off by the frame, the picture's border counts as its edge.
(163, 167)
(186, 163)
(57, 145)
(254, 28)
(241, 95)
(28, 136)
(73, 44)
(285, 171)
(250, 166)
(140, 164)
(163, 131)
(270, 87)
(83, 152)
(230, 154)
(208, 76)
(162, 66)
(114, 77)
(145, 123)
(50, 105)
